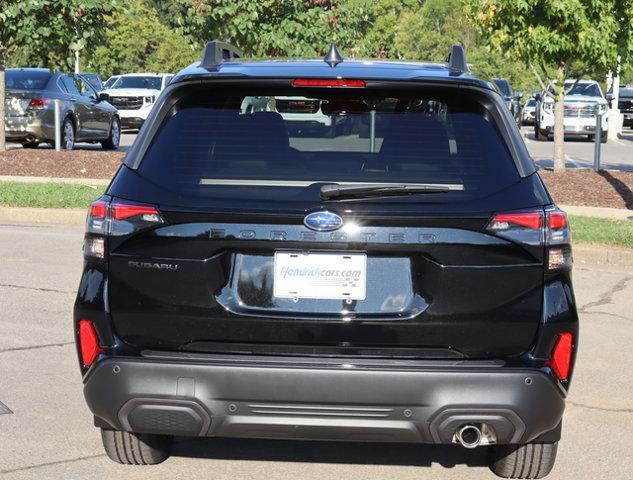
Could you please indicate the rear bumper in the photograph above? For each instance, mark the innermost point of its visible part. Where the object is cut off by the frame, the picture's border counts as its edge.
(298, 398)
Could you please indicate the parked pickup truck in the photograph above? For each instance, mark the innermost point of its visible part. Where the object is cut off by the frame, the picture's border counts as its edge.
(580, 111)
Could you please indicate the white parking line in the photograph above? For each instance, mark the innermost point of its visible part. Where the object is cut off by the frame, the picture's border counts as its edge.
(573, 162)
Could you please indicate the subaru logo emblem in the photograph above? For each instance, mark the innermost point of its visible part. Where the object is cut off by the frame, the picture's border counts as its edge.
(323, 221)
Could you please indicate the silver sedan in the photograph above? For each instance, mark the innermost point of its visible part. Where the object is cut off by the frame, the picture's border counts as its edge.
(30, 105)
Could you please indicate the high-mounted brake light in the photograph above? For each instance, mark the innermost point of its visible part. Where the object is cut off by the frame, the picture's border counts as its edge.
(328, 82)
(88, 342)
(37, 103)
(505, 221)
(561, 356)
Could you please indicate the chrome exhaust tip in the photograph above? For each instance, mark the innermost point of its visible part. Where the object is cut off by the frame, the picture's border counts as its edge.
(469, 436)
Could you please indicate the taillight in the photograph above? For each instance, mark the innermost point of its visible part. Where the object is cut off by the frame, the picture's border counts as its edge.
(549, 228)
(560, 362)
(38, 103)
(557, 240)
(88, 342)
(113, 219)
(523, 227)
(328, 82)
(508, 221)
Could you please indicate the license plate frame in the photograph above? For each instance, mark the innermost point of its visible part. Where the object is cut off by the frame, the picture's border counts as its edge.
(320, 275)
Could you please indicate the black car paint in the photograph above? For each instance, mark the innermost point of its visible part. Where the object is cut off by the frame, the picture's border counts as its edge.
(509, 309)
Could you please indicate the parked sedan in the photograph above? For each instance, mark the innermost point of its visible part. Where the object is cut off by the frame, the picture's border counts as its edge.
(30, 110)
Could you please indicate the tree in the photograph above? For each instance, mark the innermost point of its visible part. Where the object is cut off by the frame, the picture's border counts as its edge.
(278, 27)
(565, 34)
(53, 30)
(136, 40)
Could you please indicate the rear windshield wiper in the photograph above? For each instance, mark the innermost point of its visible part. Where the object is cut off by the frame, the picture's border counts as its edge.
(368, 190)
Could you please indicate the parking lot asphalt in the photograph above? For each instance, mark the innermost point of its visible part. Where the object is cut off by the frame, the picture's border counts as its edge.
(50, 435)
(616, 154)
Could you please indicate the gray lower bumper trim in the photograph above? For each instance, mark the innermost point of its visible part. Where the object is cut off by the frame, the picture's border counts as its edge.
(424, 405)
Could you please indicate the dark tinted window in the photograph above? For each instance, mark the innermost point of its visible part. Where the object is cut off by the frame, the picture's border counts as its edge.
(626, 92)
(589, 89)
(152, 82)
(504, 87)
(214, 143)
(70, 85)
(27, 79)
(94, 80)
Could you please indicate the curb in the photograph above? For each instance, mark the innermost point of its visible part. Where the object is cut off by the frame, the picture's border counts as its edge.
(602, 255)
(79, 181)
(600, 212)
(583, 253)
(39, 216)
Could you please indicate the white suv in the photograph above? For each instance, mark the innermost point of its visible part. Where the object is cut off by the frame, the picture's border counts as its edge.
(580, 111)
(134, 94)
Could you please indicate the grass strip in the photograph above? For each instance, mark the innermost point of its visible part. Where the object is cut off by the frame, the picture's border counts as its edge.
(602, 231)
(48, 195)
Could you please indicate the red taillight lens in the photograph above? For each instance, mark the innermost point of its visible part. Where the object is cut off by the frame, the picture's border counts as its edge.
(328, 82)
(504, 221)
(88, 342)
(98, 209)
(121, 211)
(38, 103)
(561, 355)
(557, 219)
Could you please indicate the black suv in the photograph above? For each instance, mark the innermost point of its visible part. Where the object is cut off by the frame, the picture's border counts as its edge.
(411, 284)
(511, 98)
(625, 104)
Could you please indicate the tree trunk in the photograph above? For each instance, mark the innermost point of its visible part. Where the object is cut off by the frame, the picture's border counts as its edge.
(559, 119)
(2, 131)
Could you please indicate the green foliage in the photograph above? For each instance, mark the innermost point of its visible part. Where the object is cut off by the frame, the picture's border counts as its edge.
(563, 33)
(52, 29)
(382, 27)
(278, 27)
(136, 40)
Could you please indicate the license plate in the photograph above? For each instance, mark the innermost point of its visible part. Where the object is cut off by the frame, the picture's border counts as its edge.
(329, 276)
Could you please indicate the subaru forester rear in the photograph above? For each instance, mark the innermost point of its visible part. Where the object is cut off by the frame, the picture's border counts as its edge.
(402, 277)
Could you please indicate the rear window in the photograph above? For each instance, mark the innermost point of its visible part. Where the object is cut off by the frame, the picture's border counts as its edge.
(27, 79)
(233, 143)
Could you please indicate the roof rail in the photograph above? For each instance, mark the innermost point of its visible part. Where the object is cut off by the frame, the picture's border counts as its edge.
(215, 52)
(456, 61)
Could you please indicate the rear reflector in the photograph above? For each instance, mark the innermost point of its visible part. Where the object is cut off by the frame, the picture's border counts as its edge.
(505, 221)
(88, 342)
(328, 82)
(561, 356)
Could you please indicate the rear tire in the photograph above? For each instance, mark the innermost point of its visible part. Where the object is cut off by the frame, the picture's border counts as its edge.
(112, 143)
(68, 134)
(31, 144)
(135, 448)
(532, 460)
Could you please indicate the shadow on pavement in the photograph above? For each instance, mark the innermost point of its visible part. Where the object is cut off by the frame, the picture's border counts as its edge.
(330, 452)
